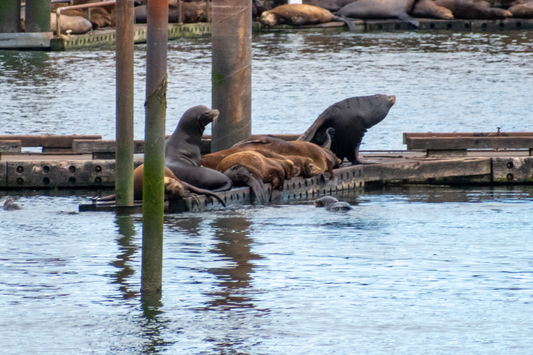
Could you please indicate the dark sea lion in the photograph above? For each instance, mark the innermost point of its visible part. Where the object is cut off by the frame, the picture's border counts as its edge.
(332, 204)
(469, 10)
(324, 159)
(331, 5)
(428, 9)
(380, 9)
(191, 12)
(268, 170)
(9, 205)
(174, 187)
(350, 118)
(325, 201)
(299, 15)
(182, 151)
(522, 10)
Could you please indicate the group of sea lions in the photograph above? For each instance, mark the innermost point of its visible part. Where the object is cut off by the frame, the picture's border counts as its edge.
(335, 135)
(321, 11)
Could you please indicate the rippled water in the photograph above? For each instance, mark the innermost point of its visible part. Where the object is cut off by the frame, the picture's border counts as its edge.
(411, 270)
(443, 81)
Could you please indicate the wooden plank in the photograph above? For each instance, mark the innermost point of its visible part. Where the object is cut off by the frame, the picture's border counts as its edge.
(10, 146)
(48, 140)
(26, 40)
(407, 136)
(454, 143)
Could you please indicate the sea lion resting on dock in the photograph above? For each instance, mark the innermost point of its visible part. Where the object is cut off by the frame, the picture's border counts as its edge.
(470, 10)
(76, 24)
(182, 151)
(379, 9)
(428, 9)
(306, 165)
(174, 187)
(299, 14)
(250, 168)
(350, 118)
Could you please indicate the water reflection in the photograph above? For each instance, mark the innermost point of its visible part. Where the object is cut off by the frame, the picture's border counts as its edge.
(234, 245)
(126, 230)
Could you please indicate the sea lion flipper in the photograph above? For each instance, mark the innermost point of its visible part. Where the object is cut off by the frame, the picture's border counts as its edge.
(406, 18)
(200, 191)
(346, 20)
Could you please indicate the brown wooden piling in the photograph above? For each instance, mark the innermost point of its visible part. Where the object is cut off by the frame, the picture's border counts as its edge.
(232, 71)
(124, 92)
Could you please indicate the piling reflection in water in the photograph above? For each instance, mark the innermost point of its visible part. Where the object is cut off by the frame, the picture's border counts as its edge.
(234, 245)
(126, 230)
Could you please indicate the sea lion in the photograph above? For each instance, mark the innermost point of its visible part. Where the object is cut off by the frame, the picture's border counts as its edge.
(9, 205)
(174, 187)
(350, 118)
(332, 204)
(306, 165)
(182, 151)
(324, 159)
(299, 15)
(100, 17)
(428, 9)
(268, 170)
(76, 24)
(331, 5)
(469, 10)
(522, 10)
(379, 9)
(191, 12)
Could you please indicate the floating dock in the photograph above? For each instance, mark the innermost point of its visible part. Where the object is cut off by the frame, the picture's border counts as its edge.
(87, 162)
(175, 31)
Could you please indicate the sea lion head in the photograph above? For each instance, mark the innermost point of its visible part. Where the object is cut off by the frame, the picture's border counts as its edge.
(376, 109)
(268, 18)
(197, 118)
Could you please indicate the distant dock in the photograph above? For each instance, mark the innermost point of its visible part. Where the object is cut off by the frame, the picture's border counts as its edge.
(175, 31)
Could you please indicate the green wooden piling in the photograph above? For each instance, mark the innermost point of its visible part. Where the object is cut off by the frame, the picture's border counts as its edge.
(10, 16)
(232, 71)
(124, 101)
(38, 15)
(154, 151)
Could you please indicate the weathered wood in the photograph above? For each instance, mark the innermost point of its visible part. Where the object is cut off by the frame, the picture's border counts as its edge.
(408, 135)
(453, 143)
(512, 170)
(48, 140)
(10, 146)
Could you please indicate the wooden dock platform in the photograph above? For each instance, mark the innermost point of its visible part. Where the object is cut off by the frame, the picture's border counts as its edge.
(175, 31)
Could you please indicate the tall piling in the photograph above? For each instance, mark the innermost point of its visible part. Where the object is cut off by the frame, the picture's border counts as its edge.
(124, 100)
(10, 16)
(38, 15)
(154, 153)
(231, 71)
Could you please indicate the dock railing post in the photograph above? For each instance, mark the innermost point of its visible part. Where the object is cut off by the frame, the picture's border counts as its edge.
(124, 101)
(38, 15)
(10, 16)
(154, 155)
(231, 71)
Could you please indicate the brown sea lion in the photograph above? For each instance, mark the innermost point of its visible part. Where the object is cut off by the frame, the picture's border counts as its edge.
(9, 205)
(174, 187)
(380, 9)
(191, 12)
(306, 165)
(350, 118)
(299, 15)
(522, 10)
(470, 10)
(267, 170)
(324, 159)
(428, 9)
(182, 151)
(100, 17)
(76, 24)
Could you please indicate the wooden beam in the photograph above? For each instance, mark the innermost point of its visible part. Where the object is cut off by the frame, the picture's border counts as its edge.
(48, 140)
(449, 143)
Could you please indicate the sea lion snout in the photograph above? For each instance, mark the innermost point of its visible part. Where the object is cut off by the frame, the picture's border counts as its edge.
(392, 99)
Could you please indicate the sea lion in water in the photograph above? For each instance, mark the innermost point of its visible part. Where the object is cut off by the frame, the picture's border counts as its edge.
(245, 167)
(350, 118)
(428, 9)
(174, 187)
(182, 151)
(332, 204)
(9, 205)
(299, 15)
(380, 9)
(469, 10)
